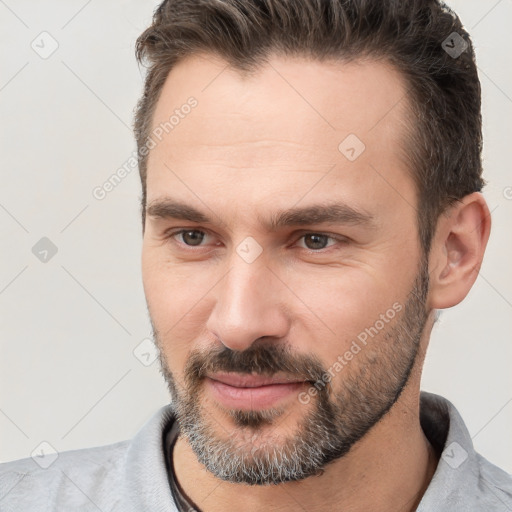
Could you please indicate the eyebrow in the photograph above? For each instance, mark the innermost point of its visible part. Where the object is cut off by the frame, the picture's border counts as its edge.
(333, 213)
(170, 209)
(320, 214)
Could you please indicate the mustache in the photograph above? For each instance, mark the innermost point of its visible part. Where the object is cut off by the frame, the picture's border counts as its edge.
(261, 359)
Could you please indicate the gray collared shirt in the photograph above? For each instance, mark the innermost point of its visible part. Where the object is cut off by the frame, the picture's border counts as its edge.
(463, 480)
(132, 475)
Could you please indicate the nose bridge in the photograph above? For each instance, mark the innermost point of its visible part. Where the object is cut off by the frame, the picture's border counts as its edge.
(247, 305)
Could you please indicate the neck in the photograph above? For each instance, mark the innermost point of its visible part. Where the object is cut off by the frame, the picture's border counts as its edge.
(388, 470)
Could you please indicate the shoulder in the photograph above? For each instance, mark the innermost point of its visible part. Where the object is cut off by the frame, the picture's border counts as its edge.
(27, 485)
(125, 476)
(497, 482)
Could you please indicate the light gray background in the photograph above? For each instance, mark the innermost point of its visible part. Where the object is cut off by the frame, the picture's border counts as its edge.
(68, 374)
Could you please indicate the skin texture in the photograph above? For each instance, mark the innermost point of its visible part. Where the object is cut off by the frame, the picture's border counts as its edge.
(252, 147)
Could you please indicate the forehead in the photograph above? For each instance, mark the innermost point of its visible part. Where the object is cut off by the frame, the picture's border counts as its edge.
(290, 123)
(331, 96)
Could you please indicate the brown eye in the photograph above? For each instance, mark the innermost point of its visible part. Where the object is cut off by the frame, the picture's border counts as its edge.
(316, 241)
(192, 237)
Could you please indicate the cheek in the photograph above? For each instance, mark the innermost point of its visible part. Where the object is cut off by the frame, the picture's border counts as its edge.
(342, 305)
(178, 302)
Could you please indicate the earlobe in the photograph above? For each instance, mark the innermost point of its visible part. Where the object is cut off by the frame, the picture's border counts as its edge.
(457, 250)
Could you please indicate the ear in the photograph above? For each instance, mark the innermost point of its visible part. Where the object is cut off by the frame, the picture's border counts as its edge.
(457, 250)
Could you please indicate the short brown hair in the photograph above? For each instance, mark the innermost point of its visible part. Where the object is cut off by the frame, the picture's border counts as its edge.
(443, 148)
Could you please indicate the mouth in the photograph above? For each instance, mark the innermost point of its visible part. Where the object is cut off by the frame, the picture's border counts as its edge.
(252, 392)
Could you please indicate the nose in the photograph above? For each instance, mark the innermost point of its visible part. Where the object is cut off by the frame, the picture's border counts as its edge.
(248, 306)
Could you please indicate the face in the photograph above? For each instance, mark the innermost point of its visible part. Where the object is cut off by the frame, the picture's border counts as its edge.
(281, 262)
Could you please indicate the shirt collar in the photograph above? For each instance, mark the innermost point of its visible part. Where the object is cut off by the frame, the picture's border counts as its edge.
(463, 479)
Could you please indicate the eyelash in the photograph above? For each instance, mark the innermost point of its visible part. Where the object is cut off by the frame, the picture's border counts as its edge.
(171, 234)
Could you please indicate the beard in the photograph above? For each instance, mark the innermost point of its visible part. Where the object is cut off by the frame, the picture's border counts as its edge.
(336, 418)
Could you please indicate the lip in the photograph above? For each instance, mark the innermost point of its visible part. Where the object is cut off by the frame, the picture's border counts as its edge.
(250, 392)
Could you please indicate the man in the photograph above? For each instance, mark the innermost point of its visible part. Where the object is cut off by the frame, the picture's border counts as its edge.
(311, 181)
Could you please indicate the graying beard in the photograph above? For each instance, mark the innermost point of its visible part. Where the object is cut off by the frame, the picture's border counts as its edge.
(262, 465)
(320, 438)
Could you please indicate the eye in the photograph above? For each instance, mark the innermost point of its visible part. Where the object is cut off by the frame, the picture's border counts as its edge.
(190, 237)
(316, 241)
